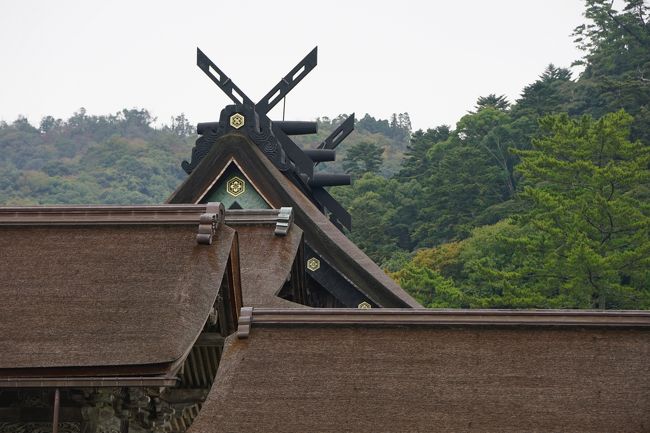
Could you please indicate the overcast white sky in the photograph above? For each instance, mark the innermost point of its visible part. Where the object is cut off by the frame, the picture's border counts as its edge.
(432, 59)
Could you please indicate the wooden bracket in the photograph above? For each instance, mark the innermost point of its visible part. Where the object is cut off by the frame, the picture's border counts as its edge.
(284, 221)
(244, 323)
(209, 222)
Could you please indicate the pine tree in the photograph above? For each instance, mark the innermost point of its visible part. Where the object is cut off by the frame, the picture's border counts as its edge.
(363, 157)
(588, 241)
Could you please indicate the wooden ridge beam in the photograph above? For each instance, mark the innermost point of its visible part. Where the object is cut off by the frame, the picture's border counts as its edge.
(422, 317)
(170, 214)
(86, 382)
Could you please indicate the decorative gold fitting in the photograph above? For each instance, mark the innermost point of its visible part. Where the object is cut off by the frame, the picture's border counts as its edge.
(237, 120)
(313, 264)
(235, 186)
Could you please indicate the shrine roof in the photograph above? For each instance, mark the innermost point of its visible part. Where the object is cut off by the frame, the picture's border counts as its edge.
(320, 233)
(388, 370)
(101, 287)
(266, 261)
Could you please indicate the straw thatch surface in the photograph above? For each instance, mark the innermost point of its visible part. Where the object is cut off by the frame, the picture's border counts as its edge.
(104, 295)
(266, 262)
(424, 379)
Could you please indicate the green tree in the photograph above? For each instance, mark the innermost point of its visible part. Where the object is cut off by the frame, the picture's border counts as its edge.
(372, 125)
(468, 178)
(180, 126)
(617, 61)
(461, 187)
(492, 101)
(404, 122)
(428, 287)
(49, 123)
(491, 131)
(552, 92)
(371, 226)
(488, 263)
(416, 164)
(588, 229)
(363, 157)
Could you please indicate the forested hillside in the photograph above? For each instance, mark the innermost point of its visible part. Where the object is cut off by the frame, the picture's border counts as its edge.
(113, 159)
(377, 145)
(542, 202)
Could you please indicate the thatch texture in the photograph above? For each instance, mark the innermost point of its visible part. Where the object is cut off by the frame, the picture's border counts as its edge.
(109, 295)
(428, 378)
(266, 262)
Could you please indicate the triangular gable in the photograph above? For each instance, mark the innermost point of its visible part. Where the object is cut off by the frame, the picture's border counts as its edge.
(234, 189)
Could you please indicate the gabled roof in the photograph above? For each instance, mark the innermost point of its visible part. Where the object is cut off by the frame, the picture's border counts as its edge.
(105, 291)
(386, 370)
(319, 232)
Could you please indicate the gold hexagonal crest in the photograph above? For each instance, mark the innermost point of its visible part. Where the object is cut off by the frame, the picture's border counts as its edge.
(364, 306)
(235, 186)
(313, 264)
(237, 120)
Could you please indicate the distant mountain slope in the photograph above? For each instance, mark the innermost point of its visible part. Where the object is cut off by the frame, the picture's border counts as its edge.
(123, 159)
(391, 135)
(114, 159)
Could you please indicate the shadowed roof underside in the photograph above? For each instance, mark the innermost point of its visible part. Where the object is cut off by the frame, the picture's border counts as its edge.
(105, 295)
(319, 232)
(434, 371)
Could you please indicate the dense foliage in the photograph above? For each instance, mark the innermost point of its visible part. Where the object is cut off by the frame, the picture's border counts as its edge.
(543, 202)
(539, 203)
(114, 159)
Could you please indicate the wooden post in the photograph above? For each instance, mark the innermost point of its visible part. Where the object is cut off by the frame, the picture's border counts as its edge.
(55, 416)
(124, 415)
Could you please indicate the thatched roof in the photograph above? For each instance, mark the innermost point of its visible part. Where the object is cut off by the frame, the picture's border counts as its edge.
(102, 295)
(319, 232)
(447, 371)
(266, 261)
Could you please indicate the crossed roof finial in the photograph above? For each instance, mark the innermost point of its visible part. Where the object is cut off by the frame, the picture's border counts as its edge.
(273, 137)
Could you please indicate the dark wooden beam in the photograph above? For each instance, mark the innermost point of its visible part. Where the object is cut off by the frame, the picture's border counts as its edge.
(333, 281)
(184, 395)
(210, 339)
(56, 411)
(102, 215)
(39, 414)
(85, 382)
